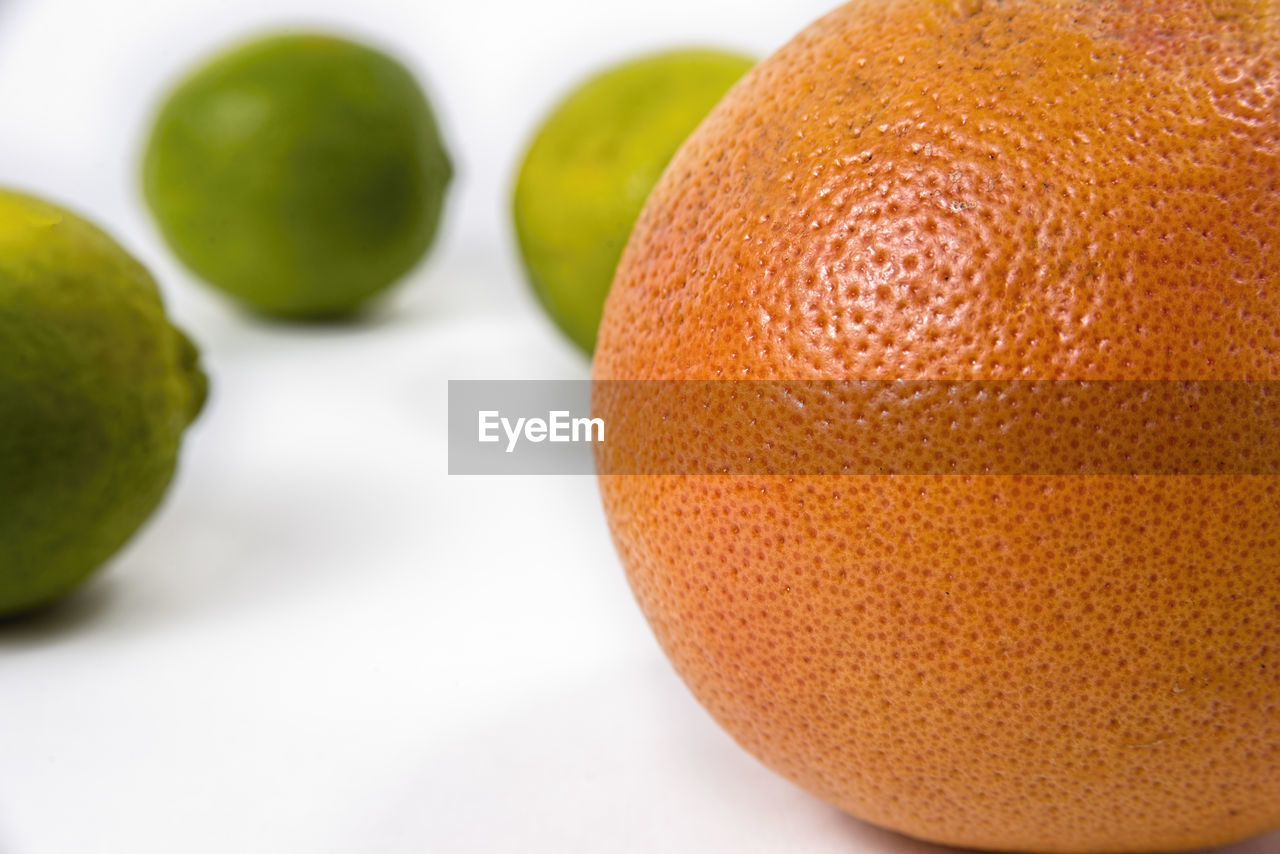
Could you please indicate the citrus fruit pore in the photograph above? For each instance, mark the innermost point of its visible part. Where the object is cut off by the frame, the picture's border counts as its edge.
(96, 389)
(977, 191)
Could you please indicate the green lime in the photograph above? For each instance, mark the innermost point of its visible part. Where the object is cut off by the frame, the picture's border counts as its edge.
(591, 167)
(300, 173)
(96, 388)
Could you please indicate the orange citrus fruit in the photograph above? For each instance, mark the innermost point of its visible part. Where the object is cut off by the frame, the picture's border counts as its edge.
(988, 191)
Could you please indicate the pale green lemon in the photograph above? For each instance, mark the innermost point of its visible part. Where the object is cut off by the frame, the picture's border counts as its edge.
(591, 166)
(96, 389)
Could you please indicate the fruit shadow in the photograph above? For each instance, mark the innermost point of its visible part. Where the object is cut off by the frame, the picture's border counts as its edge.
(626, 755)
(1268, 844)
(72, 615)
(215, 556)
(232, 532)
(887, 842)
(465, 281)
(243, 332)
(467, 293)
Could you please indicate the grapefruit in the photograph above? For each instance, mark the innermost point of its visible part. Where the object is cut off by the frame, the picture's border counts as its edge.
(991, 191)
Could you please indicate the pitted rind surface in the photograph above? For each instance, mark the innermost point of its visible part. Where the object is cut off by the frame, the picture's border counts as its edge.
(1016, 190)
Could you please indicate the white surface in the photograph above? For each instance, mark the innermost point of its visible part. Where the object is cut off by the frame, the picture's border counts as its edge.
(323, 644)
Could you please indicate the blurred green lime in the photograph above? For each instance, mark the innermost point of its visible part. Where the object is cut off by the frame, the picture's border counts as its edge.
(591, 167)
(96, 389)
(300, 173)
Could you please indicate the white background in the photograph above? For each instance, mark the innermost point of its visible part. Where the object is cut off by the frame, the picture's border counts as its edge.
(323, 643)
